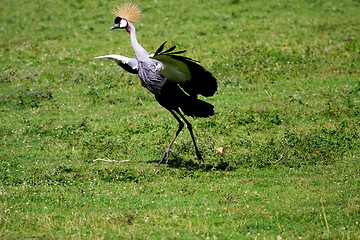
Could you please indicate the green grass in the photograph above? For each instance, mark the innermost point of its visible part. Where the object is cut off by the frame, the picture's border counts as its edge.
(287, 116)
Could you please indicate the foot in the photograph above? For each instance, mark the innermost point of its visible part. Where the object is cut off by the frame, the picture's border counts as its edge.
(200, 159)
(165, 157)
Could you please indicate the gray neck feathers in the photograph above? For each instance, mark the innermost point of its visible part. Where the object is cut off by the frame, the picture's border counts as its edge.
(141, 54)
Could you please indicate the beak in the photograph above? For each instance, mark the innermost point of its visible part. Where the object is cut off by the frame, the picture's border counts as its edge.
(115, 26)
(122, 24)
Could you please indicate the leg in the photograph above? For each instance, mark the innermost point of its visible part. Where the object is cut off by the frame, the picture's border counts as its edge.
(166, 153)
(189, 127)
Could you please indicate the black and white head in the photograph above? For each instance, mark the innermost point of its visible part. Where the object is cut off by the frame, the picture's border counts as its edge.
(125, 14)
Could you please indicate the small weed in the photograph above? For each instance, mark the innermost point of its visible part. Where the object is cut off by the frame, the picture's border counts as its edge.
(33, 97)
(7, 76)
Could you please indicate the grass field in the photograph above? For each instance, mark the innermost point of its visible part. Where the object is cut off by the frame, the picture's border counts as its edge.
(287, 118)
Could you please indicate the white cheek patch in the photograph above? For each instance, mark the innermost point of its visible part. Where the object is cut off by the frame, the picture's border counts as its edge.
(123, 24)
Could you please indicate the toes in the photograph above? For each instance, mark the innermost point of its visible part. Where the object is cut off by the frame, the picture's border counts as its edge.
(164, 157)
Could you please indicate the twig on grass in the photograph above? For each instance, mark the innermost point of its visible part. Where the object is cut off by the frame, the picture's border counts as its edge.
(326, 222)
(109, 160)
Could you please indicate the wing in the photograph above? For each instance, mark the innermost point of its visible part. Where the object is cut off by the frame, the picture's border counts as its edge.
(186, 72)
(128, 64)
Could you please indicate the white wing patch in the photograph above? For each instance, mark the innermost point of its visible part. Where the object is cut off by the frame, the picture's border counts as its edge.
(173, 70)
(132, 62)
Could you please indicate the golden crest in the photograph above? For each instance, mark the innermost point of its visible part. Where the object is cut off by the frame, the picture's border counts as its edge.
(130, 11)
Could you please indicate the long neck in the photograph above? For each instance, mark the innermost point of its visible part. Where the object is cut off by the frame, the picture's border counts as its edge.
(141, 54)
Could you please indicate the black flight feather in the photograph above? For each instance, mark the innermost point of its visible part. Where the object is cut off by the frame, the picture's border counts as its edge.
(160, 48)
(169, 50)
(201, 82)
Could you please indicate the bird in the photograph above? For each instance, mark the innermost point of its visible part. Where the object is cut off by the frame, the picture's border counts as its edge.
(175, 80)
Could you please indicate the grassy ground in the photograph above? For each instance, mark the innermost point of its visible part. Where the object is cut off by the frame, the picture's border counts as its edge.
(287, 117)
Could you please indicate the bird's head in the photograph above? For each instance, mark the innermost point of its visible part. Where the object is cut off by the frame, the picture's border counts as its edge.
(125, 14)
(120, 23)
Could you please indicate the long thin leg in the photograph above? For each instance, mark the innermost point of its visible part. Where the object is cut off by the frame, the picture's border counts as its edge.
(189, 127)
(166, 153)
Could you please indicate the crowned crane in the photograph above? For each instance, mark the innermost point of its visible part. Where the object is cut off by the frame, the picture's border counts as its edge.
(175, 80)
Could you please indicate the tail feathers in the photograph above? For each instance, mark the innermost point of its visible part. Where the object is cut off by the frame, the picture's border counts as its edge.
(202, 81)
(196, 108)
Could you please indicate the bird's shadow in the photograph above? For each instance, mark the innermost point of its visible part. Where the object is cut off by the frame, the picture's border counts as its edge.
(181, 163)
